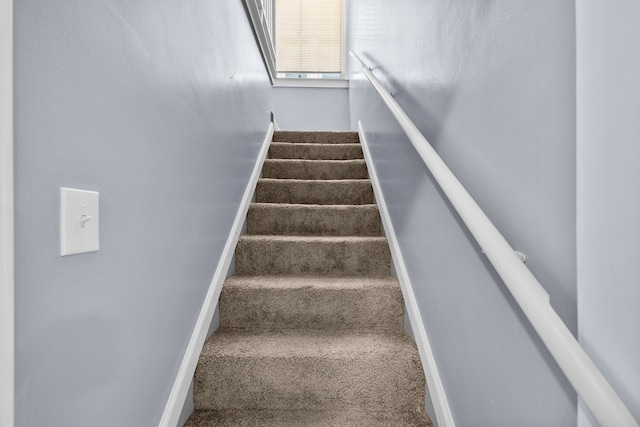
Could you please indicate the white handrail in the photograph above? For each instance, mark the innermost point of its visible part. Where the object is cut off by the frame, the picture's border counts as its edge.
(582, 373)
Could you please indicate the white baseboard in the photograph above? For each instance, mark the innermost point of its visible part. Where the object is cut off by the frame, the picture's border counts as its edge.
(444, 417)
(7, 292)
(180, 389)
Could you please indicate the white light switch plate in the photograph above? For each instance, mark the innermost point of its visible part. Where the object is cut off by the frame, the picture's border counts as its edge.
(79, 221)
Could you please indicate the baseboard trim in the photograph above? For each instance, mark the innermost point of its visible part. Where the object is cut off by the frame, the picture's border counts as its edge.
(7, 252)
(444, 417)
(180, 389)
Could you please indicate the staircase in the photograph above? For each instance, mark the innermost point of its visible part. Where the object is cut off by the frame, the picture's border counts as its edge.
(311, 324)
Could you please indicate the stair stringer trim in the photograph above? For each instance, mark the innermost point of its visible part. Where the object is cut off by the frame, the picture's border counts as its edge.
(182, 383)
(444, 416)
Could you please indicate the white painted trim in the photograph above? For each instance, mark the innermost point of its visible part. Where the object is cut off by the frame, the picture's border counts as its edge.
(322, 83)
(261, 30)
(265, 36)
(345, 40)
(444, 417)
(7, 309)
(275, 125)
(180, 388)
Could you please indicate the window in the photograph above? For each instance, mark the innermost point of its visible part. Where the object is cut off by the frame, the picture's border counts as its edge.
(309, 38)
(302, 41)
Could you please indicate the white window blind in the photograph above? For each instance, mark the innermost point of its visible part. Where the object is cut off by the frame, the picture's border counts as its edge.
(309, 36)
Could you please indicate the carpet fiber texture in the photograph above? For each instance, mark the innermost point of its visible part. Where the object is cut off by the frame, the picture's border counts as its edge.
(311, 324)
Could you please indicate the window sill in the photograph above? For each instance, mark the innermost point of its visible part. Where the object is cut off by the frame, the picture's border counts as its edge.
(319, 83)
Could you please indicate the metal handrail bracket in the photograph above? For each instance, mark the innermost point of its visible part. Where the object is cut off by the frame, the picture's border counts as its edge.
(592, 387)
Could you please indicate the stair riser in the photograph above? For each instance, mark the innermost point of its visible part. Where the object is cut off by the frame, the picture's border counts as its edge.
(389, 382)
(316, 137)
(369, 258)
(346, 192)
(374, 309)
(309, 169)
(315, 152)
(314, 220)
(288, 418)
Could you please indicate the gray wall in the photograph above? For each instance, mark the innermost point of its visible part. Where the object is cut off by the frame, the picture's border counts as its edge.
(492, 87)
(308, 108)
(608, 108)
(161, 106)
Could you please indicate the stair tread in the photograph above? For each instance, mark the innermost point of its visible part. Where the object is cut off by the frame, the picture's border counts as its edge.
(296, 418)
(284, 255)
(312, 238)
(314, 151)
(312, 206)
(310, 136)
(320, 220)
(307, 344)
(323, 182)
(314, 169)
(302, 282)
(310, 370)
(315, 144)
(315, 191)
(312, 302)
(319, 161)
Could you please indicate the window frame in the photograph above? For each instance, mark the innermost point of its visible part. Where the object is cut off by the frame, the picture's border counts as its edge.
(264, 30)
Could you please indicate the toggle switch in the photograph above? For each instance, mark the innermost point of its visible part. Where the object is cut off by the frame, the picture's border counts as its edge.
(79, 225)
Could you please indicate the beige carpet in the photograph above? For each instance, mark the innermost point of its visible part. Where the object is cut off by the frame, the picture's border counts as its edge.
(311, 326)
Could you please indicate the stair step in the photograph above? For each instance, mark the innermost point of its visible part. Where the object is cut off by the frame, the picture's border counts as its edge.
(332, 303)
(312, 256)
(311, 326)
(319, 220)
(316, 137)
(314, 169)
(310, 151)
(316, 192)
(309, 370)
(285, 418)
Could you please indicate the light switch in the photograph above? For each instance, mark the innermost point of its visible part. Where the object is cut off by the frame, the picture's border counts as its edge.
(79, 221)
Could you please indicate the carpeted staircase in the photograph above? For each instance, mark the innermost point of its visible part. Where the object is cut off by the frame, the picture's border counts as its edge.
(311, 324)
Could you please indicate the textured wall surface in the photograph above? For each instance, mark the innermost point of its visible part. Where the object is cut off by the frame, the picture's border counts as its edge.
(305, 108)
(608, 94)
(161, 106)
(492, 87)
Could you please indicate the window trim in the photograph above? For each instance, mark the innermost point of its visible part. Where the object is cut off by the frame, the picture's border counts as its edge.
(304, 82)
(264, 32)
